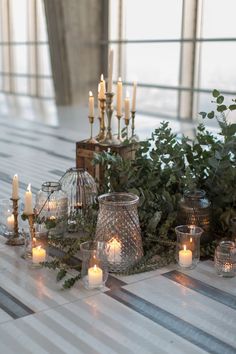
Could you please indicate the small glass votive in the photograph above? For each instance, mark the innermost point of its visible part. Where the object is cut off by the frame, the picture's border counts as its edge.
(94, 271)
(36, 251)
(6, 218)
(225, 259)
(188, 245)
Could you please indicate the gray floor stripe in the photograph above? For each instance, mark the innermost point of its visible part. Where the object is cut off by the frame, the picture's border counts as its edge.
(202, 288)
(171, 322)
(12, 306)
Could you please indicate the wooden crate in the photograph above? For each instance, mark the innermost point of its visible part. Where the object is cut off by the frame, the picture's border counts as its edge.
(85, 153)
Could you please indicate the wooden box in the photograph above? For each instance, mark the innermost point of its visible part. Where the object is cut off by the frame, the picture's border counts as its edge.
(85, 154)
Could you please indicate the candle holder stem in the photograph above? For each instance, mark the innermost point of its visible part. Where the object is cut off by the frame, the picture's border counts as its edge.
(101, 134)
(16, 239)
(119, 135)
(134, 137)
(92, 140)
(31, 218)
(127, 128)
(109, 139)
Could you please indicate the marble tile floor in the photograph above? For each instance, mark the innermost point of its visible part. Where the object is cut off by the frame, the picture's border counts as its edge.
(164, 311)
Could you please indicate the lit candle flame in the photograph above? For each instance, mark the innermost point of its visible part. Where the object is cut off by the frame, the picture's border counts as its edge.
(102, 77)
(29, 187)
(119, 79)
(95, 268)
(185, 247)
(191, 240)
(90, 94)
(127, 94)
(38, 247)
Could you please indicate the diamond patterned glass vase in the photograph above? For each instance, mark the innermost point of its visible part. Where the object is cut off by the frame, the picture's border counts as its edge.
(118, 225)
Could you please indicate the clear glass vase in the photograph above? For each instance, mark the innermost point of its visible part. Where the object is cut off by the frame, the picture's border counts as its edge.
(225, 259)
(94, 272)
(195, 209)
(82, 193)
(52, 206)
(188, 245)
(118, 226)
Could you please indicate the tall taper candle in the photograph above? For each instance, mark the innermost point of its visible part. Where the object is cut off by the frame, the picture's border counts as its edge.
(102, 88)
(119, 97)
(134, 97)
(15, 187)
(110, 69)
(91, 104)
(28, 201)
(127, 103)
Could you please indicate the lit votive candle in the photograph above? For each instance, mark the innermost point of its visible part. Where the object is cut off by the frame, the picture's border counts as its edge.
(95, 276)
(185, 257)
(38, 254)
(227, 267)
(10, 222)
(114, 253)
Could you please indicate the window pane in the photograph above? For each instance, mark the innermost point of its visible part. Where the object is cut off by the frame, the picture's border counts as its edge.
(153, 19)
(20, 59)
(219, 18)
(46, 88)
(153, 63)
(218, 66)
(44, 60)
(18, 20)
(21, 85)
(162, 103)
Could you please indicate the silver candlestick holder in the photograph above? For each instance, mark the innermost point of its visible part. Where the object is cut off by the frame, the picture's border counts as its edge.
(17, 238)
(127, 128)
(92, 140)
(134, 137)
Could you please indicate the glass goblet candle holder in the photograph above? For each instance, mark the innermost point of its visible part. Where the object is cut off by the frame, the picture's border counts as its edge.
(188, 245)
(225, 259)
(94, 271)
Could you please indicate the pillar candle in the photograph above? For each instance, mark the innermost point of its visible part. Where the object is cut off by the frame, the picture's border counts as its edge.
(95, 276)
(185, 257)
(134, 97)
(15, 187)
(91, 104)
(38, 254)
(10, 222)
(127, 103)
(110, 69)
(114, 251)
(28, 201)
(102, 88)
(98, 100)
(119, 97)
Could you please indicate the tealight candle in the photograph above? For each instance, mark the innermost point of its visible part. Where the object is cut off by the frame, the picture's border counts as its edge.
(114, 253)
(185, 257)
(38, 254)
(95, 277)
(10, 222)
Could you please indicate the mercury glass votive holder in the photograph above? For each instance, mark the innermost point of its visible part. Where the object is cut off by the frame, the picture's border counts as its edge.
(94, 271)
(225, 259)
(188, 245)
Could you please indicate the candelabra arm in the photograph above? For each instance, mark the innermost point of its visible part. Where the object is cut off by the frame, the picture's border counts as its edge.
(16, 239)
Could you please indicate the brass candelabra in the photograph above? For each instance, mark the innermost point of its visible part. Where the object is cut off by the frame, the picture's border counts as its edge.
(16, 239)
(127, 128)
(119, 116)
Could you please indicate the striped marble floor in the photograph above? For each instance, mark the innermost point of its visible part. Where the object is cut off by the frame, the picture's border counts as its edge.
(164, 311)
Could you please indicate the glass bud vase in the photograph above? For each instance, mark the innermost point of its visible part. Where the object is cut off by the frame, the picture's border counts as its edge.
(94, 272)
(118, 226)
(225, 259)
(82, 193)
(52, 206)
(188, 245)
(195, 209)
